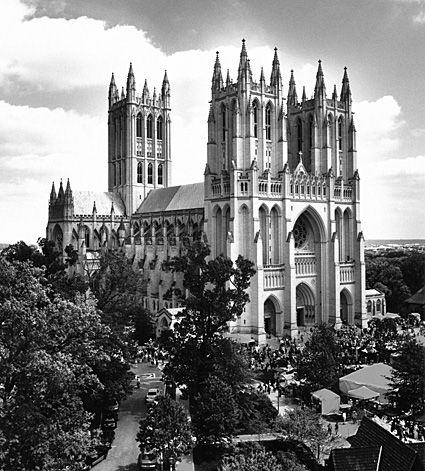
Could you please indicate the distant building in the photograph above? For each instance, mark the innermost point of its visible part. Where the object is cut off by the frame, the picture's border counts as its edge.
(281, 187)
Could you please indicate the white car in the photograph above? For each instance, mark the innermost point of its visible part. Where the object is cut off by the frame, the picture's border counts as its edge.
(152, 395)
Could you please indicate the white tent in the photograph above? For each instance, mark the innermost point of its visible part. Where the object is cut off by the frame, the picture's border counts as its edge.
(376, 377)
(329, 401)
(363, 392)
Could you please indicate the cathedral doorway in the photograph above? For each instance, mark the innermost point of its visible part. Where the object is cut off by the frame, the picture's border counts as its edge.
(306, 306)
(269, 317)
(346, 305)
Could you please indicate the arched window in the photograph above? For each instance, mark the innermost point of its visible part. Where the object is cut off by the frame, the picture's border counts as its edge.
(223, 124)
(159, 124)
(378, 305)
(160, 174)
(149, 127)
(268, 123)
(299, 136)
(150, 174)
(139, 172)
(87, 236)
(255, 118)
(340, 134)
(139, 124)
(369, 306)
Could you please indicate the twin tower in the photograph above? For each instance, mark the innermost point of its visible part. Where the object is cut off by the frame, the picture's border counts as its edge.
(280, 187)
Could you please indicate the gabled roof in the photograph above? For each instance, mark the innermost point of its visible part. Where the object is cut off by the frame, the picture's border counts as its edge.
(356, 459)
(396, 455)
(84, 201)
(174, 198)
(418, 297)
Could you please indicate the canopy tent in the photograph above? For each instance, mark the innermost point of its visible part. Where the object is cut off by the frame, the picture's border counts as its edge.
(363, 392)
(329, 401)
(375, 377)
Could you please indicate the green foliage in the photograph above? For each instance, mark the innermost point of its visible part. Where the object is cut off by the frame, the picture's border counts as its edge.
(215, 413)
(46, 346)
(408, 377)
(255, 460)
(166, 428)
(217, 295)
(319, 362)
(257, 412)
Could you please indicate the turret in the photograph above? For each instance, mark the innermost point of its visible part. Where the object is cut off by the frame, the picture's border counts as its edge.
(166, 91)
(61, 194)
(345, 89)
(112, 92)
(53, 194)
(131, 85)
(320, 88)
(68, 193)
(217, 79)
(145, 94)
(244, 70)
(276, 78)
(292, 91)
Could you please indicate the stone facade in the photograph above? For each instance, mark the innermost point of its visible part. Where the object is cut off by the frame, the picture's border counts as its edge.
(280, 187)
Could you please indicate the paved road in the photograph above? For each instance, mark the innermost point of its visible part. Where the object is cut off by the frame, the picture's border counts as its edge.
(124, 452)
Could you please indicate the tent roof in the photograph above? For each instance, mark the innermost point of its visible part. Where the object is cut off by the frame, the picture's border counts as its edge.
(242, 338)
(363, 392)
(376, 375)
(324, 395)
(418, 297)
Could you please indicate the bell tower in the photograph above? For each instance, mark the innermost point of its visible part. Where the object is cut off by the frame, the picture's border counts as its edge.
(139, 155)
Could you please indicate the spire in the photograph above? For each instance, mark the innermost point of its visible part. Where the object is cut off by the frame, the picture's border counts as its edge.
(131, 81)
(145, 90)
(320, 82)
(68, 192)
(345, 90)
(122, 94)
(275, 78)
(228, 78)
(165, 90)
(262, 79)
(112, 91)
(94, 209)
(154, 96)
(304, 97)
(217, 79)
(53, 194)
(292, 91)
(211, 114)
(244, 70)
(61, 194)
(334, 94)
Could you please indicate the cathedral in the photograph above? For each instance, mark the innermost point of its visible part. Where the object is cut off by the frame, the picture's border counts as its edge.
(280, 187)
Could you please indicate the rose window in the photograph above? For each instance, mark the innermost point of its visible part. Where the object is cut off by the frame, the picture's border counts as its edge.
(300, 234)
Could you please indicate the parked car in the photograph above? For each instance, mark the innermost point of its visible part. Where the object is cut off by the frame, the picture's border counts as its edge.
(111, 405)
(99, 454)
(110, 421)
(152, 395)
(107, 437)
(147, 460)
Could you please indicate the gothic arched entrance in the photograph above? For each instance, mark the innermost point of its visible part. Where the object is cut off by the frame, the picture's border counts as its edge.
(346, 306)
(306, 306)
(269, 317)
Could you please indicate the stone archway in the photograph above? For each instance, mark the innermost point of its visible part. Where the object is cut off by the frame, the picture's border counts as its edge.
(269, 317)
(306, 305)
(346, 307)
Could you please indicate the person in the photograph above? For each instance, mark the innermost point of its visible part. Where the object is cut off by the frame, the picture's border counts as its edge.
(344, 416)
(336, 428)
(137, 381)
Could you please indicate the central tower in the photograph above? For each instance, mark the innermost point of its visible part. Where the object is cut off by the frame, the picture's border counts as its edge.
(139, 155)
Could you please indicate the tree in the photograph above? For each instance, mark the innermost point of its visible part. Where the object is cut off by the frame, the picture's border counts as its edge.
(166, 429)
(216, 295)
(217, 413)
(305, 425)
(408, 377)
(319, 362)
(254, 460)
(46, 345)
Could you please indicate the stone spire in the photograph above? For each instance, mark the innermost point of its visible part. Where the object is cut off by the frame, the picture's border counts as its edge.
(276, 77)
(345, 90)
(53, 194)
(131, 84)
(244, 70)
(217, 79)
(320, 88)
(112, 91)
(292, 91)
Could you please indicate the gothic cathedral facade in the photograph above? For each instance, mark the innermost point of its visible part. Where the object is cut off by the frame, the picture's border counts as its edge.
(281, 187)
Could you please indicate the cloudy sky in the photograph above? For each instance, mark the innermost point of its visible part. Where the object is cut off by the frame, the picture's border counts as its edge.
(57, 56)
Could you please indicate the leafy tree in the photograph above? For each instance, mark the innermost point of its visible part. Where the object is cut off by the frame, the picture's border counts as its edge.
(166, 428)
(408, 377)
(305, 425)
(319, 362)
(217, 414)
(46, 344)
(216, 295)
(413, 269)
(257, 412)
(255, 460)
